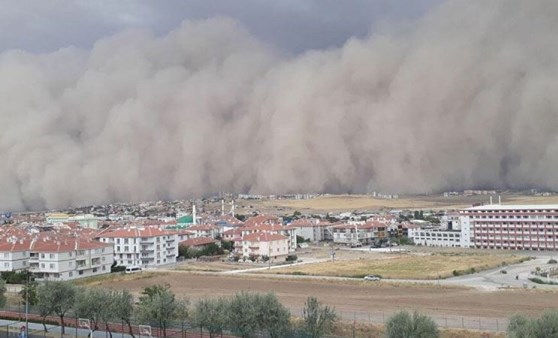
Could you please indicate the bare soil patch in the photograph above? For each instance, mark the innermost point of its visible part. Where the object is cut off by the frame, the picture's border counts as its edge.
(355, 296)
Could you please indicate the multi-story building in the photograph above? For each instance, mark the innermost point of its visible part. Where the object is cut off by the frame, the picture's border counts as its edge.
(274, 246)
(516, 227)
(56, 259)
(352, 234)
(435, 237)
(142, 246)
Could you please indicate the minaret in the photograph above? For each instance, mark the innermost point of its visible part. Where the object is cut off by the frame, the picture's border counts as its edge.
(194, 214)
(222, 207)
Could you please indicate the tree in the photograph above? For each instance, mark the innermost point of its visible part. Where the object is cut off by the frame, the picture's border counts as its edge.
(242, 316)
(95, 305)
(56, 297)
(405, 325)
(227, 245)
(272, 316)
(211, 314)
(123, 308)
(2, 293)
(318, 318)
(157, 306)
(182, 311)
(544, 326)
(32, 289)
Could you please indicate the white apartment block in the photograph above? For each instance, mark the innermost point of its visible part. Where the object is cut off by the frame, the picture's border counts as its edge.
(142, 246)
(435, 237)
(49, 259)
(355, 233)
(516, 227)
(274, 246)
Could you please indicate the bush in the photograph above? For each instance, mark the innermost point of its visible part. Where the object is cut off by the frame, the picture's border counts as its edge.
(542, 327)
(403, 325)
(291, 258)
(117, 268)
(552, 261)
(13, 277)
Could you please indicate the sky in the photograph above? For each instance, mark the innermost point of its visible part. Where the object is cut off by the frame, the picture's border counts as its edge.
(291, 26)
(107, 101)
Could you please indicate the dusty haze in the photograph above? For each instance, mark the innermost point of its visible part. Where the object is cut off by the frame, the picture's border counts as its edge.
(466, 98)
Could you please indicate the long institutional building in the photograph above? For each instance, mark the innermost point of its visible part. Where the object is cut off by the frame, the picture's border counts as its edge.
(517, 227)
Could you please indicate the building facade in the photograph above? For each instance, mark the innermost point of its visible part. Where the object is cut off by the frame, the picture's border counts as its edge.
(57, 260)
(515, 227)
(142, 246)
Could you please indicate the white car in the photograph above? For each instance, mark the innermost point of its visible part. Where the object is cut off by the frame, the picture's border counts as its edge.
(372, 278)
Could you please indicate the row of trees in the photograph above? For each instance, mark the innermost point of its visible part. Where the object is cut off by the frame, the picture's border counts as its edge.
(244, 314)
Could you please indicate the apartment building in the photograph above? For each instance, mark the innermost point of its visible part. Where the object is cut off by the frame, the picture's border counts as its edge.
(352, 234)
(515, 227)
(56, 258)
(142, 246)
(274, 246)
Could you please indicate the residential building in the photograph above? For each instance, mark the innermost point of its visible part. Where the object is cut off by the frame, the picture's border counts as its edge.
(353, 234)
(56, 259)
(142, 246)
(274, 246)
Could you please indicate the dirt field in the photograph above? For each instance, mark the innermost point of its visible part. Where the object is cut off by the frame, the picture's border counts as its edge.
(336, 203)
(425, 266)
(355, 296)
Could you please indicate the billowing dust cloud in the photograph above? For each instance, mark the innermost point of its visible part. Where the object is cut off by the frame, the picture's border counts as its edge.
(465, 98)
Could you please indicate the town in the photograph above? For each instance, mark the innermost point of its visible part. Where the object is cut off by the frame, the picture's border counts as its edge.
(96, 240)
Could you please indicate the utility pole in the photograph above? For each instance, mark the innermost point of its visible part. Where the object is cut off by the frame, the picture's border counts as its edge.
(27, 307)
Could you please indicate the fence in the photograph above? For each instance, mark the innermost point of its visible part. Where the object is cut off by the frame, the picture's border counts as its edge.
(443, 321)
(183, 330)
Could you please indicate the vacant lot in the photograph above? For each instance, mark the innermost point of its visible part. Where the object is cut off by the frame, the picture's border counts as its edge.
(427, 266)
(354, 295)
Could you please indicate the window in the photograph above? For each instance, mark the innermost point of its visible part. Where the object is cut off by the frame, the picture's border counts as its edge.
(51, 265)
(6, 264)
(42, 255)
(118, 241)
(51, 256)
(81, 272)
(94, 269)
(42, 265)
(71, 264)
(70, 274)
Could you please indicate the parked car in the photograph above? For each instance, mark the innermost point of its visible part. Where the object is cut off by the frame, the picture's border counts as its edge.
(372, 278)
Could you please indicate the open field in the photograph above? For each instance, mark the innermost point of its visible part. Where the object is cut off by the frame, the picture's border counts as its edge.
(354, 296)
(335, 203)
(117, 278)
(426, 266)
(198, 266)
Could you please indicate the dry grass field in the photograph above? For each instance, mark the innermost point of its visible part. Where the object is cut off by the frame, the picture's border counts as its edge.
(349, 296)
(336, 203)
(427, 266)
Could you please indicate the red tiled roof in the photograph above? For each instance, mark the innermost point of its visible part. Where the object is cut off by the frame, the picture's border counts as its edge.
(134, 232)
(198, 241)
(264, 237)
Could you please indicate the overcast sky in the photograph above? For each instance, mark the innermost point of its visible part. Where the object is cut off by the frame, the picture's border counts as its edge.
(291, 26)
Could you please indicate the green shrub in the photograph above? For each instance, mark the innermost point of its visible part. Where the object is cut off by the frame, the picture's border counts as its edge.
(291, 258)
(404, 325)
(552, 261)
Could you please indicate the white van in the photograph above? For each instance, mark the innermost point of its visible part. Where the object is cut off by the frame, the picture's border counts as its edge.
(132, 269)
